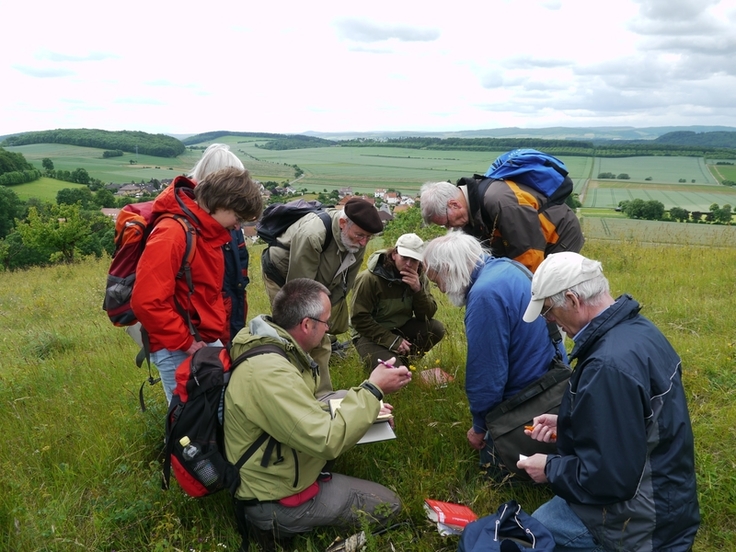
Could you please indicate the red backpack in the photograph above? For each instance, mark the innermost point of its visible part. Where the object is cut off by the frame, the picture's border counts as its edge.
(195, 442)
(132, 227)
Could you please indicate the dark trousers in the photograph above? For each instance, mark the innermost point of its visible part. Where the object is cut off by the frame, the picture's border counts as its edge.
(422, 334)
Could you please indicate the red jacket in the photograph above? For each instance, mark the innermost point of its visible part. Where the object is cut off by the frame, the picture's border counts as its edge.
(156, 283)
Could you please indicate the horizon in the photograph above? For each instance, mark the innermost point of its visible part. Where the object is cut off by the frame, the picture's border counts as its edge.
(609, 128)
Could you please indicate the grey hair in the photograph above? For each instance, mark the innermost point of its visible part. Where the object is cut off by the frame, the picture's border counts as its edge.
(434, 197)
(453, 257)
(298, 299)
(214, 158)
(591, 292)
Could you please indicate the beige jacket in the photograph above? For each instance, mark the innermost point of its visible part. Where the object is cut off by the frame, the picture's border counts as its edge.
(335, 267)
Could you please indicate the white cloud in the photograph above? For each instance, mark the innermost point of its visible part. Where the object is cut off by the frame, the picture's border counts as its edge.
(381, 65)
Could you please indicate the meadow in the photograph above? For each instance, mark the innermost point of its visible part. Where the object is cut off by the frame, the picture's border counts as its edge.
(366, 168)
(44, 189)
(81, 463)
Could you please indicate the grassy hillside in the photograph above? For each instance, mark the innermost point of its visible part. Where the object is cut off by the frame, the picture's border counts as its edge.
(81, 463)
(125, 140)
(44, 189)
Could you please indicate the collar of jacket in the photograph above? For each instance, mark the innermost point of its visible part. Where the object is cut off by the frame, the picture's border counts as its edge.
(263, 328)
(624, 308)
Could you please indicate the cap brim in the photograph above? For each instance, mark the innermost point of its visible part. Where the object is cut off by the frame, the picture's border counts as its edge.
(533, 310)
(404, 252)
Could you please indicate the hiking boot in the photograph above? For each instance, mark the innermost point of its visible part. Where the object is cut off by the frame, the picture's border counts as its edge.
(339, 348)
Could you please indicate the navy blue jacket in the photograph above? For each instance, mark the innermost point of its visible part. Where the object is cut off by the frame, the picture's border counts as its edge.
(236, 279)
(626, 459)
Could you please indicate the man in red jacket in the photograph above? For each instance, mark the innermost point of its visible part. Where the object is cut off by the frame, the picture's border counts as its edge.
(161, 300)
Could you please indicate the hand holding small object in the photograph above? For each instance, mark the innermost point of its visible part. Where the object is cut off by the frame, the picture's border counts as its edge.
(530, 428)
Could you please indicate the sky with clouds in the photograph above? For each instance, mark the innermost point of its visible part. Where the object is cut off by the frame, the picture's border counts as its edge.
(334, 66)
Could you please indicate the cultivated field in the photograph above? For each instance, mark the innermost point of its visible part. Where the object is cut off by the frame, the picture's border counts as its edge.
(693, 197)
(660, 169)
(647, 232)
(366, 168)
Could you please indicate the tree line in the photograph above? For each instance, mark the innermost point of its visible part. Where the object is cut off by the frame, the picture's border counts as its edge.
(654, 210)
(14, 169)
(159, 145)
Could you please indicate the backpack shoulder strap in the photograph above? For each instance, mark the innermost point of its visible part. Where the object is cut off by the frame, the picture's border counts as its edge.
(258, 350)
(327, 221)
(477, 186)
(255, 351)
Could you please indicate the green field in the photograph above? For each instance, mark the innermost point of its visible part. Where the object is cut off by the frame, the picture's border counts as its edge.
(44, 189)
(660, 169)
(693, 197)
(724, 172)
(622, 229)
(366, 168)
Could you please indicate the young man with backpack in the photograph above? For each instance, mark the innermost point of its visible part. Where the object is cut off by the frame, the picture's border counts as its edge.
(512, 218)
(284, 487)
(302, 253)
(180, 318)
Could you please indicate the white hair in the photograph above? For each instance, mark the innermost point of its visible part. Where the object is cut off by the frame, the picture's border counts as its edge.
(453, 257)
(434, 197)
(214, 158)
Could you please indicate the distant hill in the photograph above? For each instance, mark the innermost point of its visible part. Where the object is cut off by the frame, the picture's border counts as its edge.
(717, 139)
(549, 133)
(215, 134)
(160, 145)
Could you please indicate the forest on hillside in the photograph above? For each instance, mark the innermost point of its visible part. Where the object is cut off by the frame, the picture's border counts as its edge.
(160, 145)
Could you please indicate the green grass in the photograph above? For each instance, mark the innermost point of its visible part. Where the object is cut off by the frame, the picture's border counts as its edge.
(660, 169)
(44, 189)
(81, 463)
(724, 172)
(616, 227)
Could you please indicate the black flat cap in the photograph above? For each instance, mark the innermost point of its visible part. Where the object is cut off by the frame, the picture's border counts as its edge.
(364, 215)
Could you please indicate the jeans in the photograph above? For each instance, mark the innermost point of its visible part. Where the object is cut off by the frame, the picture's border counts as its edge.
(569, 532)
(166, 363)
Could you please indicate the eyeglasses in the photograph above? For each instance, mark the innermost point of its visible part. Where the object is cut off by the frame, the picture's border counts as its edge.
(545, 312)
(327, 324)
(360, 236)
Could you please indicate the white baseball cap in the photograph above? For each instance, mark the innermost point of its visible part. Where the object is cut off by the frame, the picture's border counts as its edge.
(559, 272)
(410, 245)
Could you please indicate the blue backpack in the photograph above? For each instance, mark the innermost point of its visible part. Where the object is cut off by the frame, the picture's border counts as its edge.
(534, 169)
(510, 529)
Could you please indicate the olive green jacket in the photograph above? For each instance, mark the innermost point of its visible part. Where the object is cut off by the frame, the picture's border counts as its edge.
(302, 257)
(381, 302)
(268, 393)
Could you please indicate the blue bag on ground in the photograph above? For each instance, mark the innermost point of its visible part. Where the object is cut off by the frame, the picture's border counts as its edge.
(510, 529)
(532, 168)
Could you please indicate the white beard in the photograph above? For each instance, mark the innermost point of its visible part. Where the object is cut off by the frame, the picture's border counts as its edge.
(349, 244)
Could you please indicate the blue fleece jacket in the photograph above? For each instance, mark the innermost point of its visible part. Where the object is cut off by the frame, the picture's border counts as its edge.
(505, 354)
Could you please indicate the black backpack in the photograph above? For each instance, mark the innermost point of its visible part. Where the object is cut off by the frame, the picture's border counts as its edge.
(195, 444)
(278, 217)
